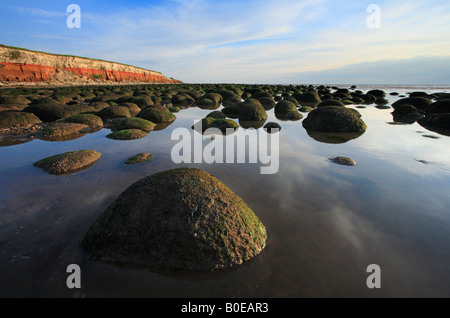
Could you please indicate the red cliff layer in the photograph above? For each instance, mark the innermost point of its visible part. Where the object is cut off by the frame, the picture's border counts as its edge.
(23, 72)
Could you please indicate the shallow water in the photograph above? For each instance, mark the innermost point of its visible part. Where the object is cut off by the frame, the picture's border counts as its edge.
(326, 223)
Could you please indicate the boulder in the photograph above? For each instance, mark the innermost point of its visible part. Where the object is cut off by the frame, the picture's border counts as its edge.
(157, 114)
(69, 162)
(127, 134)
(134, 123)
(252, 110)
(182, 219)
(61, 131)
(334, 119)
(9, 119)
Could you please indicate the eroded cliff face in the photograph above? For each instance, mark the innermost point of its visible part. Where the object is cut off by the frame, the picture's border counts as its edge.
(18, 65)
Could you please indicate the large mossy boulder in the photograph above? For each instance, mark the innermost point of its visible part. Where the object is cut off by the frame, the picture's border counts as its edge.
(182, 219)
(252, 110)
(69, 162)
(157, 114)
(334, 119)
(9, 119)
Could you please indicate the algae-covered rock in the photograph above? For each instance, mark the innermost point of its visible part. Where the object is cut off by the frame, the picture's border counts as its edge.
(182, 219)
(157, 114)
(134, 123)
(220, 123)
(287, 110)
(61, 131)
(11, 119)
(335, 119)
(252, 110)
(114, 112)
(127, 134)
(331, 102)
(90, 120)
(216, 114)
(69, 162)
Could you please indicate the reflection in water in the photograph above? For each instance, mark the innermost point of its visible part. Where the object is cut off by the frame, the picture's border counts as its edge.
(333, 137)
(62, 138)
(247, 124)
(326, 223)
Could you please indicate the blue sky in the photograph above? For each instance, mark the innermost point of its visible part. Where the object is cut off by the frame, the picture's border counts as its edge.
(276, 41)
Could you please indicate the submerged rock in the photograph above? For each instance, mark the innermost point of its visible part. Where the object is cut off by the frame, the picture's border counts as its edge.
(344, 161)
(139, 158)
(69, 162)
(182, 219)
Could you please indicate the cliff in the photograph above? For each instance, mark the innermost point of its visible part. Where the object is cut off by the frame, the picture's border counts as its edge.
(24, 66)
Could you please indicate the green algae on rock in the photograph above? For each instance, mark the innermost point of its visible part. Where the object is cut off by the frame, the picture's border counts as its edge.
(224, 125)
(157, 114)
(90, 120)
(61, 131)
(127, 134)
(134, 123)
(68, 162)
(182, 219)
(10, 119)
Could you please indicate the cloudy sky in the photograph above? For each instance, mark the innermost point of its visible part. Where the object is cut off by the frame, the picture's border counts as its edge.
(265, 41)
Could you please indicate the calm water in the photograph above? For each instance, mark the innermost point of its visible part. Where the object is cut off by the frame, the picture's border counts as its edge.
(326, 223)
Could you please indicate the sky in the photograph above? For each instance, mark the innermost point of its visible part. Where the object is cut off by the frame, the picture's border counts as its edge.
(265, 41)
